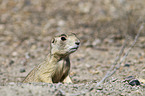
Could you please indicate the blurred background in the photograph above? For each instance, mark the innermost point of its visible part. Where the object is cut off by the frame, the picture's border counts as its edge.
(26, 27)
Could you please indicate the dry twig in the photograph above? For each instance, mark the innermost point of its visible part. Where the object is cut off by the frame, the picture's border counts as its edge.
(116, 64)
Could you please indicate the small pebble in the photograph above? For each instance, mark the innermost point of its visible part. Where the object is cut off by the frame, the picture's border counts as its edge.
(127, 65)
(96, 42)
(27, 55)
(1, 73)
(14, 54)
(22, 70)
(11, 62)
(11, 83)
(134, 82)
(59, 93)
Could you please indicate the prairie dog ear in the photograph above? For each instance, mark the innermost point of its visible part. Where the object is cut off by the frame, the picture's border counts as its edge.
(53, 40)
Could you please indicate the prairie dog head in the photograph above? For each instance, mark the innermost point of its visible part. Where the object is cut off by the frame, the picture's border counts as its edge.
(64, 44)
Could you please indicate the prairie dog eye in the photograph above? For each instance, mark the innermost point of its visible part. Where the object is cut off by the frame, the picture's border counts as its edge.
(63, 38)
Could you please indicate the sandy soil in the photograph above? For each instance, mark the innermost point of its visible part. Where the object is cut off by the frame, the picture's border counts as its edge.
(27, 26)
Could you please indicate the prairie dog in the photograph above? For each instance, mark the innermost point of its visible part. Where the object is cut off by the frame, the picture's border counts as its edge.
(55, 68)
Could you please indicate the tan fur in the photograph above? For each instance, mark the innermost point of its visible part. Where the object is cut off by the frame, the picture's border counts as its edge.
(56, 66)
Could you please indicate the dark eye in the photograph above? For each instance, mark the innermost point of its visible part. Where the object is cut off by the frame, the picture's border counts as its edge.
(63, 38)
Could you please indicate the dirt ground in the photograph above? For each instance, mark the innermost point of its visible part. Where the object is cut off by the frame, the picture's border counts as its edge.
(27, 26)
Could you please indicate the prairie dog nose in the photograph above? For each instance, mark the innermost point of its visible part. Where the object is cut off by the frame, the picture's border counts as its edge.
(77, 43)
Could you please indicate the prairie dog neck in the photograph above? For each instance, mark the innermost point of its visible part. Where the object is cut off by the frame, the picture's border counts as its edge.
(55, 58)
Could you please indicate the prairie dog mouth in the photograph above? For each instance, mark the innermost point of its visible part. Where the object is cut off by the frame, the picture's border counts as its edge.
(74, 48)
